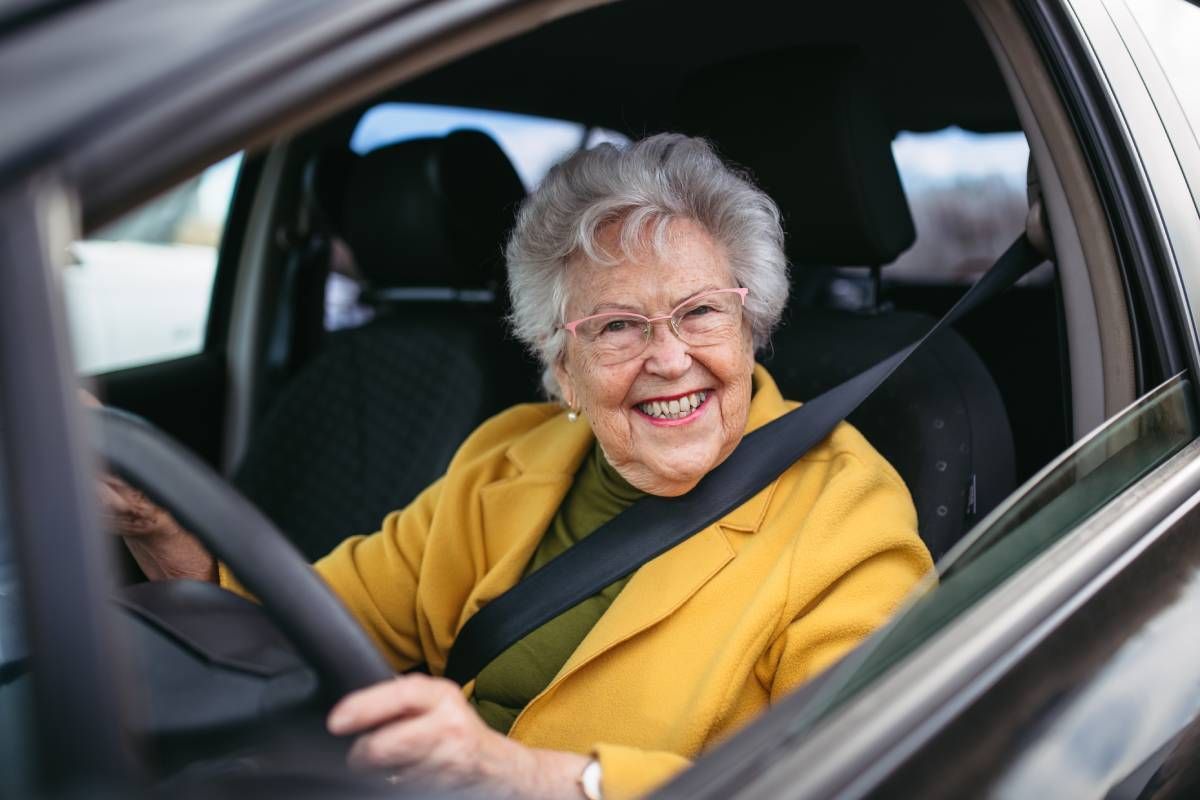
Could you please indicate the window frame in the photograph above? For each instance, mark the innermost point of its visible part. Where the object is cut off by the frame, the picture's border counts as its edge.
(1106, 106)
(81, 731)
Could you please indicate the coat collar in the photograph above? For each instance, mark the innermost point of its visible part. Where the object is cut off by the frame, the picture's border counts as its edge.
(557, 448)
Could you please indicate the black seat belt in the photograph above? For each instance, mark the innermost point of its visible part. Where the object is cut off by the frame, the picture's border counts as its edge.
(653, 525)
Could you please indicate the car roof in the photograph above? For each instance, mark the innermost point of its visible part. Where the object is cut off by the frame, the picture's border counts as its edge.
(79, 65)
(89, 73)
(929, 62)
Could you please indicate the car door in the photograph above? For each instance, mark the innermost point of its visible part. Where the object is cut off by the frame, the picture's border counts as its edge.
(1057, 655)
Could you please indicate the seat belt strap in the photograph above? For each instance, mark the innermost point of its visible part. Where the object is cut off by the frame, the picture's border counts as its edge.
(653, 525)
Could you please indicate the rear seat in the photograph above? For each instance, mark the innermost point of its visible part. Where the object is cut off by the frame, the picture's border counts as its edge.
(812, 137)
(376, 415)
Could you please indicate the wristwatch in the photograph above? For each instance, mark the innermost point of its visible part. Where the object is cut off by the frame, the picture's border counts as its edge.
(589, 781)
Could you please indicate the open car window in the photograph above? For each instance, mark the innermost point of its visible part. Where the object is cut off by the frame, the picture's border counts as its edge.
(1047, 508)
(255, 87)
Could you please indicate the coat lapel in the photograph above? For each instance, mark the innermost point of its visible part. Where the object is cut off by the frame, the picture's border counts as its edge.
(654, 592)
(516, 513)
(517, 510)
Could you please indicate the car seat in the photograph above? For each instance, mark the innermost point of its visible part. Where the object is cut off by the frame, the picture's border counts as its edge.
(375, 416)
(806, 127)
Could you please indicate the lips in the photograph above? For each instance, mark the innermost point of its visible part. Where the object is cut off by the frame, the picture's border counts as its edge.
(677, 407)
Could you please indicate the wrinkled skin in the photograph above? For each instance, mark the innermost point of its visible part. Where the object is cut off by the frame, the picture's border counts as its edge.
(660, 460)
(420, 730)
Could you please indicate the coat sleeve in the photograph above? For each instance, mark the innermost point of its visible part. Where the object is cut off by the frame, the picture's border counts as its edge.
(376, 577)
(629, 772)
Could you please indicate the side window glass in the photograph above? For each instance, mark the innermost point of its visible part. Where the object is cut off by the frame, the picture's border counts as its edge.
(1046, 509)
(533, 144)
(967, 195)
(138, 290)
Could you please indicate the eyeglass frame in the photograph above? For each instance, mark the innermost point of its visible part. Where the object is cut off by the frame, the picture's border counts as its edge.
(648, 327)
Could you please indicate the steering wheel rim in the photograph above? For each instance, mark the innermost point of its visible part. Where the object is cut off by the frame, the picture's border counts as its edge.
(237, 533)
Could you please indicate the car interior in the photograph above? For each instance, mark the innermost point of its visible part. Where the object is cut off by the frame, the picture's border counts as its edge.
(328, 430)
(423, 222)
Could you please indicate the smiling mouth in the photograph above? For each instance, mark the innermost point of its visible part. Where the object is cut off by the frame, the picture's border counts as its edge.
(676, 407)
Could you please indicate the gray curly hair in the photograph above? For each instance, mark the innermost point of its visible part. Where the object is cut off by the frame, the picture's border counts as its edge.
(643, 186)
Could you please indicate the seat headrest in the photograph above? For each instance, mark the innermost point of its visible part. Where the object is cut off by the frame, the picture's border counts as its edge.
(804, 124)
(430, 212)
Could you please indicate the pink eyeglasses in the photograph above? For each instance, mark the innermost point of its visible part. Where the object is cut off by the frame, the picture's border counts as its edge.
(706, 319)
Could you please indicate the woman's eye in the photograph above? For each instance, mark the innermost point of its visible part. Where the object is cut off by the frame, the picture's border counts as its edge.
(699, 311)
(615, 326)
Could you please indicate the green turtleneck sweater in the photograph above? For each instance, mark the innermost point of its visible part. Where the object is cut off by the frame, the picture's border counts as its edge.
(517, 675)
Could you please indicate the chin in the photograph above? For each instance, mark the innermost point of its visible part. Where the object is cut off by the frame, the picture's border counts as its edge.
(681, 486)
(676, 483)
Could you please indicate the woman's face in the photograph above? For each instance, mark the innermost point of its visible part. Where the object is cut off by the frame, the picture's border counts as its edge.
(660, 456)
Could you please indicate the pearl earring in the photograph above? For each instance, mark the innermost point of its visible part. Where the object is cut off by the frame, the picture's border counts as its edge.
(572, 415)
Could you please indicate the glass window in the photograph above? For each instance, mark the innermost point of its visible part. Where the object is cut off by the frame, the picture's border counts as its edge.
(967, 195)
(1041, 513)
(138, 291)
(533, 144)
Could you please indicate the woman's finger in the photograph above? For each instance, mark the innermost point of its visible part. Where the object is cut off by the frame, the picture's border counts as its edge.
(110, 499)
(397, 745)
(404, 695)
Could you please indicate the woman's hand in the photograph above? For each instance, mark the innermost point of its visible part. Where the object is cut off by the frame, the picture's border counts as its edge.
(159, 544)
(129, 512)
(422, 730)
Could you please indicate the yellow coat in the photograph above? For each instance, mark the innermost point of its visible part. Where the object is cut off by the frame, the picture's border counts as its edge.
(702, 638)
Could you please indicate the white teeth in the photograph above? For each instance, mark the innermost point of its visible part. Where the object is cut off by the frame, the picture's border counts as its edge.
(674, 409)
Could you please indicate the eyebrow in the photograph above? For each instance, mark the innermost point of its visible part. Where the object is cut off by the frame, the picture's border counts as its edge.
(603, 308)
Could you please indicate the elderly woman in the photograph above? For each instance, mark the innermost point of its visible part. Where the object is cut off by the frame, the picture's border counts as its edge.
(644, 278)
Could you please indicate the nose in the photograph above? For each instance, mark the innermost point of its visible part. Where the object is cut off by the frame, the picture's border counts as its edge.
(666, 354)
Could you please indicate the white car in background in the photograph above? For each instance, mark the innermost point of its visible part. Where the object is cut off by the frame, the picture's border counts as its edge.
(133, 303)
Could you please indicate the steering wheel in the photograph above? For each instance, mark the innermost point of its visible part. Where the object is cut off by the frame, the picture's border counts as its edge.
(237, 533)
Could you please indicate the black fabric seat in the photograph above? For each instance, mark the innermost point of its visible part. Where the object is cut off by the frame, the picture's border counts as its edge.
(376, 415)
(812, 138)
